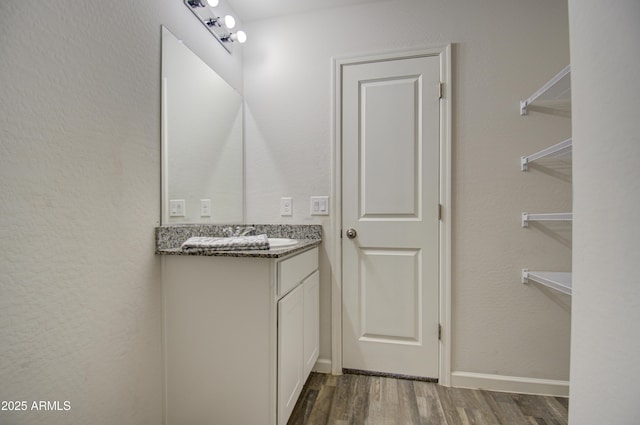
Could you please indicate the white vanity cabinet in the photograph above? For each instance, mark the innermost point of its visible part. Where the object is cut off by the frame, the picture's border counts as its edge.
(298, 328)
(240, 336)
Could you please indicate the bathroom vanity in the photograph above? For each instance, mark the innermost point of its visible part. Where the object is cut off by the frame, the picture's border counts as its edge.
(241, 332)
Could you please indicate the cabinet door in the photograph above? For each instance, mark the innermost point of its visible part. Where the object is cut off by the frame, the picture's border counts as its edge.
(311, 322)
(290, 352)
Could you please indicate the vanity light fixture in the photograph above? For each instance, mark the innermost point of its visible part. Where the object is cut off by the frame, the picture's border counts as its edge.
(213, 22)
(198, 3)
(239, 36)
(218, 26)
(229, 22)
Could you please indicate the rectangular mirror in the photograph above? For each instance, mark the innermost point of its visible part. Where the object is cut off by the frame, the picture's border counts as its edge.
(202, 140)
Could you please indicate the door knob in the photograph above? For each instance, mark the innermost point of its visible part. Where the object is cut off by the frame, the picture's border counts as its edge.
(351, 233)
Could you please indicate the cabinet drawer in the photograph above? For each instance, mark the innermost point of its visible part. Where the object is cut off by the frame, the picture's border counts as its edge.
(293, 270)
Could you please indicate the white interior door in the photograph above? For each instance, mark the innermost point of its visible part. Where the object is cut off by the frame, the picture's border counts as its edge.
(390, 195)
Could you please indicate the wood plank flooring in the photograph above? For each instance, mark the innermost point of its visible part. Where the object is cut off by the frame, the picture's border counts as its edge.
(371, 400)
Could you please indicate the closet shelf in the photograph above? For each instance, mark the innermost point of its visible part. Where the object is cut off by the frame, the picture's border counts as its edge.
(560, 281)
(526, 217)
(557, 88)
(556, 150)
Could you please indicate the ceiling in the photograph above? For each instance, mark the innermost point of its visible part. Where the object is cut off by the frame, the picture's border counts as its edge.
(251, 10)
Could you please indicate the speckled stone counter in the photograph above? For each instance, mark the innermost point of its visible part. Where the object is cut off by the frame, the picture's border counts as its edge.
(170, 238)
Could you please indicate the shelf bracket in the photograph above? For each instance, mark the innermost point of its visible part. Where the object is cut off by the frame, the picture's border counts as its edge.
(524, 104)
(555, 280)
(526, 217)
(556, 150)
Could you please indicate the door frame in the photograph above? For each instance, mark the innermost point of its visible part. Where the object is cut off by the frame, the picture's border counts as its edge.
(444, 289)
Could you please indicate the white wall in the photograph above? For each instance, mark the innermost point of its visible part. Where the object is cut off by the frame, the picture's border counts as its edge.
(501, 54)
(605, 373)
(79, 198)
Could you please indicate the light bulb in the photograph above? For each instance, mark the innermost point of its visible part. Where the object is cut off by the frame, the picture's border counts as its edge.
(229, 21)
(213, 3)
(241, 36)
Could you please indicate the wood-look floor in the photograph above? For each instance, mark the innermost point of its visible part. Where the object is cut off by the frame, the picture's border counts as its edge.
(371, 400)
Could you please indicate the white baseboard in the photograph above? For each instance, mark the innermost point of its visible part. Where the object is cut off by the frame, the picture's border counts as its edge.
(322, 366)
(512, 384)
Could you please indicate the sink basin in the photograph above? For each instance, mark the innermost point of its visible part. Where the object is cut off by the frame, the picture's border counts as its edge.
(281, 242)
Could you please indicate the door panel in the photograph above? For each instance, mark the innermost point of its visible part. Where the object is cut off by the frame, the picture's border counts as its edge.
(290, 352)
(390, 187)
(390, 313)
(388, 113)
(311, 322)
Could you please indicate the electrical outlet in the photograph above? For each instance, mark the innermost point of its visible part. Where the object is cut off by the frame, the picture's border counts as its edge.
(286, 207)
(205, 207)
(177, 208)
(319, 205)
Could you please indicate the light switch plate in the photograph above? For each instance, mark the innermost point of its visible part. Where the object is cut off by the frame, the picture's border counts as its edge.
(286, 207)
(319, 205)
(205, 207)
(177, 208)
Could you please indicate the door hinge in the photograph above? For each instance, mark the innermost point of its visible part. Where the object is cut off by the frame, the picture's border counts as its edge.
(440, 90)
(439, 211)
(439, 332)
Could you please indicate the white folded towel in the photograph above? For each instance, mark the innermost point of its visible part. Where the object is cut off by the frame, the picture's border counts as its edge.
(235, 243)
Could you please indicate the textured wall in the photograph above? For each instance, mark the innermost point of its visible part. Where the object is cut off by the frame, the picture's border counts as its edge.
(79, 198)
(606, 93)
(501, 55)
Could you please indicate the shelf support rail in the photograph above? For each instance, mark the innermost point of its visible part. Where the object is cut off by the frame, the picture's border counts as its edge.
(526, 217)
(542, 90)
(556, 280)
(555, 150)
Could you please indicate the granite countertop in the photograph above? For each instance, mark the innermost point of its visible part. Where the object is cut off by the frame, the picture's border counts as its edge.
(302, 245)
(170, 238)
